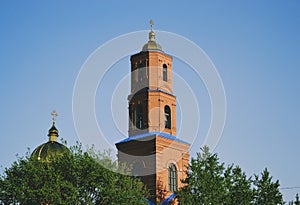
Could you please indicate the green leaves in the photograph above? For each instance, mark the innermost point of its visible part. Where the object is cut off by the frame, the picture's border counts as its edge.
(75, 178)
(208, 182)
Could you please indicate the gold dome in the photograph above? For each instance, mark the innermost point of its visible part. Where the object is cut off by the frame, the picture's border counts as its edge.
(151, 44)
(51, 148)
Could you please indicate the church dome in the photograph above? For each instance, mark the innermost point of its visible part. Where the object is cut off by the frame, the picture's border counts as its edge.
(51, 148)
(151, 44)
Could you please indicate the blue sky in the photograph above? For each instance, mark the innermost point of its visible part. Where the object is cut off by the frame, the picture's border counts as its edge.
(254, 45)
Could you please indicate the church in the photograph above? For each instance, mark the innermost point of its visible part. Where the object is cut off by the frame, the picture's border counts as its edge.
(152, 151)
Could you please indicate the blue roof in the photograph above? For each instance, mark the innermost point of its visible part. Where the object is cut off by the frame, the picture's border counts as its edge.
(150, 202)
(150, 134)
(169, 199)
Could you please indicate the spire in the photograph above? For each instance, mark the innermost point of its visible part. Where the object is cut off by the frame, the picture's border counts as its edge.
(53, 132)
(151, 45)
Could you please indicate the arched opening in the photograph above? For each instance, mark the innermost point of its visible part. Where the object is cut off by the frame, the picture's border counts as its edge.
(138, 117)
(167, 117)
(172, 171)
(165, 72)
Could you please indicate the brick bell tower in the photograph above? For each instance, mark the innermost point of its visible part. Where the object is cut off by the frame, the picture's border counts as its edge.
(152, 150)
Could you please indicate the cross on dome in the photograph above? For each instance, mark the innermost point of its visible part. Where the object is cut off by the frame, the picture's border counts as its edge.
(54, 115)
(151, 24)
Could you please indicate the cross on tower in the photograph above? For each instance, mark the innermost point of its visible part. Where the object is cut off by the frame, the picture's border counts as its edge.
(54, 115)
(151, 24)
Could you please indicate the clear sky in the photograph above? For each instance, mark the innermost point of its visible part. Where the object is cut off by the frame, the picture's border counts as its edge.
(255, 46)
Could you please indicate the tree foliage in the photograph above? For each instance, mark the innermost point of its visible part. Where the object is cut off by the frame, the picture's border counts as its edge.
(238, 186)
(296, 202)
(75, 178)
(266, 191)
(209, 182)
(204, 181)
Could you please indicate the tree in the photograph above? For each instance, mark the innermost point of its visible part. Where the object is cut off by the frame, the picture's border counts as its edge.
(266, 192)
(297, 202)
(75, 178)
(238, 187)
(208, 182)
(205, 181)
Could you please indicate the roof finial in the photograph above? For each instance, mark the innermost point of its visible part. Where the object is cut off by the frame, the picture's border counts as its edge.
(54, 115)
(151, 24)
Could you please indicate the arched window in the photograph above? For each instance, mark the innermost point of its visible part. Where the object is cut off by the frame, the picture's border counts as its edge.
(167, 117)
(138, 117)
(165, 72)
(172, 178)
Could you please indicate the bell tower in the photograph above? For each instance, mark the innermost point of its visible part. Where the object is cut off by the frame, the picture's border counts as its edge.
(152, 149)
(152, 104)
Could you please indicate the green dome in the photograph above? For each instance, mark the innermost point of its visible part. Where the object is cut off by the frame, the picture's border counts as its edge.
(51, 148)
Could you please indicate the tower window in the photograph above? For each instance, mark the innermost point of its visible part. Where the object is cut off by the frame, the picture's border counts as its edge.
(165, 72)
(172, 171)
(167, 117)
(138, 117)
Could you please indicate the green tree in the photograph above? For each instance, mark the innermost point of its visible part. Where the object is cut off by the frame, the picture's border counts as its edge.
(208, 182)
(297, 202)
(266, 192)
(75, 178)
(238, 187)
(205, 181)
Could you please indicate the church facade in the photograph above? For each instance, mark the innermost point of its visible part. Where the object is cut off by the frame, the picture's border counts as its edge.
(152, 149)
